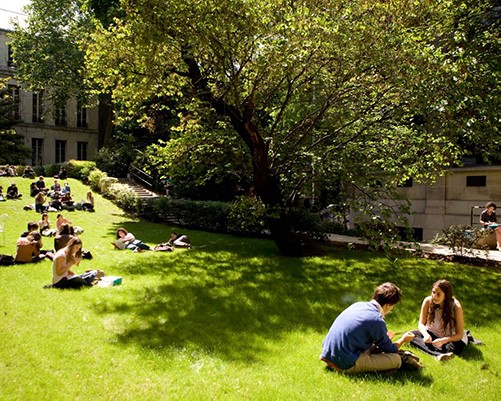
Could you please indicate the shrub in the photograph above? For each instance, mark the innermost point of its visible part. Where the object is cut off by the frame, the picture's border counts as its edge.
(307, 222)
(80, 169)
(462, 239)
(208, 216)
(52, 169)
(95, 178)
(115, 161)
(122, 195)
(246, 216)
(106, 183)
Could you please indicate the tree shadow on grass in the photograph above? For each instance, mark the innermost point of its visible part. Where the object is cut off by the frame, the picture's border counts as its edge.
(235, 297)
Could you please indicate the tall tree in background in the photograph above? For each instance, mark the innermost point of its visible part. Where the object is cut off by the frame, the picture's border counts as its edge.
(12, 149)
(366, 92)
(48, 53)
(354, 89)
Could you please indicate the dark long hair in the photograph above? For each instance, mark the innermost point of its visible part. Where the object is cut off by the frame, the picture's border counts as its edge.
(447, 307)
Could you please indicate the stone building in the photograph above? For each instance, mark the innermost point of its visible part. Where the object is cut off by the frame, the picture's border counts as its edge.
(54, 134)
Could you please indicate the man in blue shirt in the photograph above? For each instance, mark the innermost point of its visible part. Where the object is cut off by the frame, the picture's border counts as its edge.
(358, 341)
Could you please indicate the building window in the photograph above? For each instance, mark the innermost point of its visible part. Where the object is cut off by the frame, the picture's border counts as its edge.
(81, 117)
(37, 116)
(60, 151)
(10, 60)
(14, 93)
(81, 150)
(36, 151)
(476, 181)
(60, 116)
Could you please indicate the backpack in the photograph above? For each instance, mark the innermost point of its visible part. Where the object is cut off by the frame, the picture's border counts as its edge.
(6, 260)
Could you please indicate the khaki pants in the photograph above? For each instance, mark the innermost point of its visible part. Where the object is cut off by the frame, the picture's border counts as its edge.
(368, 362)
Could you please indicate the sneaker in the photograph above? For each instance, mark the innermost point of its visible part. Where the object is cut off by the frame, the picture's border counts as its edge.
(445, 357)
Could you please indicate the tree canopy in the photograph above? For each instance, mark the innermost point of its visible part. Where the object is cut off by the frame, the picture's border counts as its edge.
(362, 92)
(12, 149)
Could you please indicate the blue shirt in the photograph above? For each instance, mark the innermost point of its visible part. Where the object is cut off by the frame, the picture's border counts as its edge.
(357, 328)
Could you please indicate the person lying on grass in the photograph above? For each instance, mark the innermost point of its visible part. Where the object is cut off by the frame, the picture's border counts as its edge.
(127, 240)
(441, 324)
(358, 339)
(179, 240)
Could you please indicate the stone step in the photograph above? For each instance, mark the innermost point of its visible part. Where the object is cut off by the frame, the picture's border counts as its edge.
(141, 191)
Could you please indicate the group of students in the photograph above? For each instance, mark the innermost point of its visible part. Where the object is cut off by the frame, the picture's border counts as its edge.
(358, 340)
(66, 254)
(29, 246)
(59, 197)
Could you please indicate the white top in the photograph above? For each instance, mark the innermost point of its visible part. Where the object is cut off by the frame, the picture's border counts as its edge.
(437, 326)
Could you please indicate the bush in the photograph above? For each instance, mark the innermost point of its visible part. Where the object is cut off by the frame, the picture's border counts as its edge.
(115, 161)
(95, 178)
(106, 183)
(462, 239)
(80, 169)
(246, 216)
(208, 216)
(122, 195)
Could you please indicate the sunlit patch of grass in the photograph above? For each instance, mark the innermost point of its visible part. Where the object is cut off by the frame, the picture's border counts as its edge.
(230, 320)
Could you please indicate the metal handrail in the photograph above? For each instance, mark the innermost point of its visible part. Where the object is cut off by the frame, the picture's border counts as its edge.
(471, 213)
(142, 176)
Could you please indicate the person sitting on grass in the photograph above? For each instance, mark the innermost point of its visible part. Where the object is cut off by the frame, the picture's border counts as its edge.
(60, 220)
(28, 248)
(31, 226)
(441, 324)
(88, 205)
(63, 236)
(127, 240)
(39, 203)
(44, 226)
(13, 192)
(41, 185)
(358, 339)
(179, 240)
(62, 273)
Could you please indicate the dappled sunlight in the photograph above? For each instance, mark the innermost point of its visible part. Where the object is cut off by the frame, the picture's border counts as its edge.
(231, 304)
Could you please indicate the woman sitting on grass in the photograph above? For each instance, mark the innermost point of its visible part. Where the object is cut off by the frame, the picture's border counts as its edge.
(64, 260)
(441, 324)
(44, 226)
(126, 240)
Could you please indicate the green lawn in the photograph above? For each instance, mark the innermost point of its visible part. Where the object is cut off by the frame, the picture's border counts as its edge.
(232, 320)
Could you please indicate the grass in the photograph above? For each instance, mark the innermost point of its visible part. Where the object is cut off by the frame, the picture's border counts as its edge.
(232, 320)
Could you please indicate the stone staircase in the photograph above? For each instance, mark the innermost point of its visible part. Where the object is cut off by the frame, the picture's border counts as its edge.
(144, 194)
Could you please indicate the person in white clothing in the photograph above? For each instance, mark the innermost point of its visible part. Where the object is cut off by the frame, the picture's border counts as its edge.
(64, 260)
(441, 324)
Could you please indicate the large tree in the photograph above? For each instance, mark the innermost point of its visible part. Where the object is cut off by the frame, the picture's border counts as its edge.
(354, 89)
(47, 49)
(12, 149)
(365, 92)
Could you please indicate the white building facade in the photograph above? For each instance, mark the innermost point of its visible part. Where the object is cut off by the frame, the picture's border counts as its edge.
(54, 135)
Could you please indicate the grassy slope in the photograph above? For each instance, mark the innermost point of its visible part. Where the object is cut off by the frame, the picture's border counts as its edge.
(229, 321)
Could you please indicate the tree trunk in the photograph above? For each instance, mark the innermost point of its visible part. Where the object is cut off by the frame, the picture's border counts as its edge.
(105, 121)
(268, 188)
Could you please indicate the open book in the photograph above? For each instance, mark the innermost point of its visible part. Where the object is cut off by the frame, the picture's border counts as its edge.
(119, 244)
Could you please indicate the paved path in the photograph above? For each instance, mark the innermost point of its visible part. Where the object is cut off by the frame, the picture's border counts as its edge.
(425, 247)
